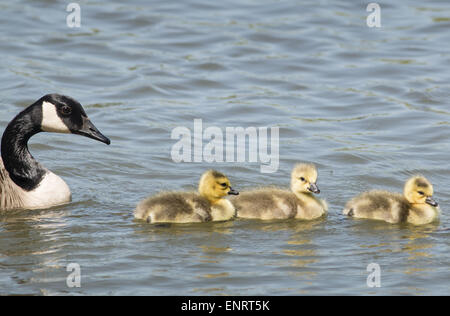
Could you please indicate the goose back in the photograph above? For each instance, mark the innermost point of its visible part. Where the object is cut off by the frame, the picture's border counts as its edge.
(9, 196)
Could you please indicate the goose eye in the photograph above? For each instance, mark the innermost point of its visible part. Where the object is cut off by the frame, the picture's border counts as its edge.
(302, 179)
(421, 193)
(223, 185)
(66, 110)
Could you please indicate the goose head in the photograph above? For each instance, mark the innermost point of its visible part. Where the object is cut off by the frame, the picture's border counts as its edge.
(304, 179)
(52, 113)
(214, 186)
(418, 190)
(62, 114)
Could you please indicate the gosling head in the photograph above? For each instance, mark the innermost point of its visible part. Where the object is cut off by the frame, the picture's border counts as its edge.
(62, 114)
(214, 186)
(418, 190)
(304, 179)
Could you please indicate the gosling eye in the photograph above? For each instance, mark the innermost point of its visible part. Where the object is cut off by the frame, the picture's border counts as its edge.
(302, 179)
(421, 193)
(224, 185)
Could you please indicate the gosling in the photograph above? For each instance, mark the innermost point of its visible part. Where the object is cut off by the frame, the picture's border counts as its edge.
(207, 205)
(416, 206)
(274, 203)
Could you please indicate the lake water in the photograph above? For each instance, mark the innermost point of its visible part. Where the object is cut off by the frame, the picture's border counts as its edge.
(369, 106)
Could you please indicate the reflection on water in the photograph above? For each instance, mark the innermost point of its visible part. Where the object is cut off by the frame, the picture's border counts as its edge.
(419, 247)
(32, 246)
(413, 244)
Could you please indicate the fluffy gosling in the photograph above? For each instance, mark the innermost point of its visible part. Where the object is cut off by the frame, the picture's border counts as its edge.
(416, 206)
(208, 204)
(273, 203)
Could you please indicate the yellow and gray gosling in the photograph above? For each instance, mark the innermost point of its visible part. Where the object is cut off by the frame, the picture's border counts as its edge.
(207, 205)
(274, 203)
(415, 206)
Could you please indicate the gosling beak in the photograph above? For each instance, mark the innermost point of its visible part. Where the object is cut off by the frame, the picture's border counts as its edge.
(233, 192)
(314, 188)
(431, 202)
(89, 130)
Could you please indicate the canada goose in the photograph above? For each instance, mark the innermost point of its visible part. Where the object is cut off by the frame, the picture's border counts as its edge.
(188, 207)
(415, 206)
(273, 203)
(24, 182)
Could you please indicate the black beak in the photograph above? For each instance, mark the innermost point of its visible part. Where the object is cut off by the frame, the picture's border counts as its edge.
(431, 202)
(233, 192)
(89, 130)
(314, 188)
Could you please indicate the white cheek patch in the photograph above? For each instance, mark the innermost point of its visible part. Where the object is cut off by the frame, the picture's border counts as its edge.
(51, 122)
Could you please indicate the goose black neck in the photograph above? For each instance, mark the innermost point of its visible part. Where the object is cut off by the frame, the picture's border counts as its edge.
(23, 169)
